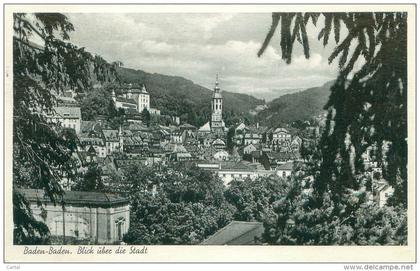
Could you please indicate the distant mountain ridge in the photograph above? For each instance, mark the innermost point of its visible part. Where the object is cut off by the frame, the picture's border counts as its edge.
(272, 94)
(296, 106)
(179, 96)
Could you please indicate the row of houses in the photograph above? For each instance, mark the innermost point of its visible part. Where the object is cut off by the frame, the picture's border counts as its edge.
(274, 138)
(228, 171)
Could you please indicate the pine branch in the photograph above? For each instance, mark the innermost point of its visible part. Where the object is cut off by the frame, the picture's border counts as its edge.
(274, 24)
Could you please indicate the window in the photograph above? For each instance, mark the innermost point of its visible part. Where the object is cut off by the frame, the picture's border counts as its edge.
(119, 223)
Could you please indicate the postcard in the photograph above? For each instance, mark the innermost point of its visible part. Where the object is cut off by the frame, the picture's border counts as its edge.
(209, 133)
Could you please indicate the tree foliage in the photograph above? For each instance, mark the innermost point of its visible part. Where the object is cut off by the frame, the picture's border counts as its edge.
(174, 205)
(253, 199)
(299, 219)
(230, 144)
(145, 117)
(367, 106)
(41, 71)
(91, 180)
(292, 214)
(27, 230)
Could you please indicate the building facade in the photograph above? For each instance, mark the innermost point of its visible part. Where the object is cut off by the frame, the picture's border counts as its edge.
(67, 117)
(136, 99)
(87, 217)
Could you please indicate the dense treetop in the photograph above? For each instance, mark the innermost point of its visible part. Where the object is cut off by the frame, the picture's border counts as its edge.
(367, 107)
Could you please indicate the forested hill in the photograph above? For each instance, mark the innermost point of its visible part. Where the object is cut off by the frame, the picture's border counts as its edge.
(179, 96)
(296, 106)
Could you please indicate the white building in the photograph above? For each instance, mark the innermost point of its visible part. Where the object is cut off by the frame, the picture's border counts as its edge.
(221, 155)
(114, 141)
(284, 170)
(281, 135)
(249, 149)
(228, 175)
(135, 98)
(67, 116)
(228, 171)
(143, 99)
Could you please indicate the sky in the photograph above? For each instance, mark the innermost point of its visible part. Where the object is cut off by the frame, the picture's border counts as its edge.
(196, 46)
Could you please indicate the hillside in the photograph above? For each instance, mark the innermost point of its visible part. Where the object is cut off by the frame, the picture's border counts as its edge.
(296, 106)
(177, 95)
(272, 94)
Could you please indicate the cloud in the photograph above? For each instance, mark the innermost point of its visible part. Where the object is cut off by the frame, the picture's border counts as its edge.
(198, 45)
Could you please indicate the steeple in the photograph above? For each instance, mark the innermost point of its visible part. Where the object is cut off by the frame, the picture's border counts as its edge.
(216, 85)
(216, 123)
(216, 92)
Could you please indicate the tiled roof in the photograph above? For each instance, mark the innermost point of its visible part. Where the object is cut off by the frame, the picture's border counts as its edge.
(156, 150)
(241, 126)
(139, 90)
(87, 125)
(66, 100)
(76, 197)
(134, 126)
(187, 126)
(234, 166)
(124, 163)
(68, 112)
(251, 146)
(91, 141)
(218, 141)
(205, 128)
(183, 155)
(133, 140)
(236, 233)
(175, 148)
(125, 100)
(110, 134)
(281, 130)
(285, 166)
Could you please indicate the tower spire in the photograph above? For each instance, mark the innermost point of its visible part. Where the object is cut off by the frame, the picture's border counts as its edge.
(216, 85)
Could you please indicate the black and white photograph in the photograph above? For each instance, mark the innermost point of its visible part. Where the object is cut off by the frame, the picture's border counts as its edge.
(266, 129)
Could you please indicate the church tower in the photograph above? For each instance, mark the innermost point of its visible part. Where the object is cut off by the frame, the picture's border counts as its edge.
(217, 124)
